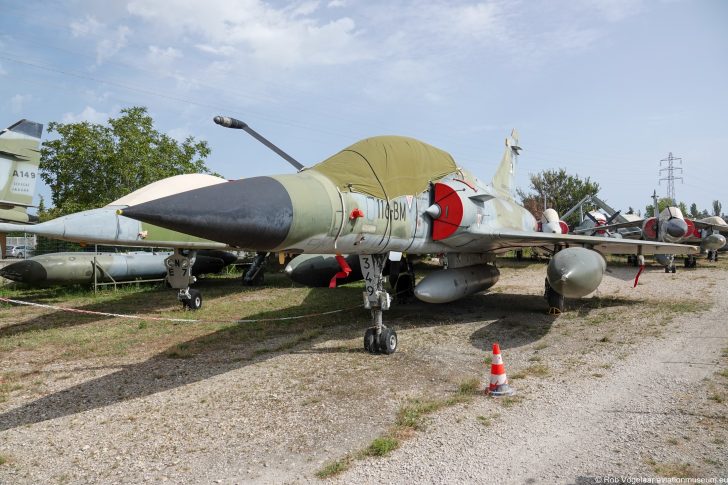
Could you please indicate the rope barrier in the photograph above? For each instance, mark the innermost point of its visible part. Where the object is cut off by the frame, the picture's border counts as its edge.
(177, 320)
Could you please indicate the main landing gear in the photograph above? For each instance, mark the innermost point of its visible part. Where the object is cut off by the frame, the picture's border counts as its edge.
(179, 276)
(691, 262)
(377, 338)
(402, 279)
(554, 299)
(712, 255)
(255, 274)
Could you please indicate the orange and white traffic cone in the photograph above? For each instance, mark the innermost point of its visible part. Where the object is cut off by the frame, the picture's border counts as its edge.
(498, 379)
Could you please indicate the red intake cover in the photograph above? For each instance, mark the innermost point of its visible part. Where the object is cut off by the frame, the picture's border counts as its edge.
(692, 230)
(451, 212)
(649, 228)
(564, 227)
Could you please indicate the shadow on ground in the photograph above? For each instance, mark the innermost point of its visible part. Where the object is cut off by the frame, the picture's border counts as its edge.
(513, 319)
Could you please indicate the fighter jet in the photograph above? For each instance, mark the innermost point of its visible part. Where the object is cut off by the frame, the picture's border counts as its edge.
(671, 226)
(79, 268)
(708, 232)
(19, 160)
(382, 197)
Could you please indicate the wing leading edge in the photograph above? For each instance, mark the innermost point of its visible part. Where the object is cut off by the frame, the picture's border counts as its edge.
(493, 240)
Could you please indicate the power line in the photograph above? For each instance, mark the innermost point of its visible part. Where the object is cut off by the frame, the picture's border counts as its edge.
(671, 169)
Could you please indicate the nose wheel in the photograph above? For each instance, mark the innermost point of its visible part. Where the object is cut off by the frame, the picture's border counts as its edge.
(384, 343)
(192, 300)
(378, 339)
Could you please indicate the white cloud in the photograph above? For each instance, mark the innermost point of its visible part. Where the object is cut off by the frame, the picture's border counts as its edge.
(615, 10)
(88, 114)
(287, 37)
(112, 43)
(337, 3)
(18, 102)
(180, 134)
(85, 27)
(158, 56)
(109, 40)
(221, 50)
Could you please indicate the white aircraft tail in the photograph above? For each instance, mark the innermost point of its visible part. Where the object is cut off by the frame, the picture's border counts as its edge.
(504, 175)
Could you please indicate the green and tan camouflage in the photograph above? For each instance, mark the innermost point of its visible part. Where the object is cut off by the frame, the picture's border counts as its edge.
(383, 197)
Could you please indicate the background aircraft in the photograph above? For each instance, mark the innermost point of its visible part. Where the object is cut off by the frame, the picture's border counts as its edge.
(671, 226)
(105, 226)
(79, 267)
(19, 160)
(379, 198)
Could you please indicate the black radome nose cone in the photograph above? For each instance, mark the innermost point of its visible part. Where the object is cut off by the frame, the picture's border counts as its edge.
(253, 213)
(28, 271)
(677, 228)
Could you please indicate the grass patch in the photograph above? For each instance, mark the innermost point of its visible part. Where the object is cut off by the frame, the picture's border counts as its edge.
(723, 373)
(334, 468)
(672, 441)
(717, 398)
(540, 346)
(8, 384)
(487, 421)
(180, 351)
(382, 446)
(409, 418)
(510, 401)
(536, 370)
(672, 470)
(605, 339)
(4, 459)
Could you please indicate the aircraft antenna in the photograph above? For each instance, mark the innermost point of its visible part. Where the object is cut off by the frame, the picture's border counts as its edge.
(670, 168)
(239, 125)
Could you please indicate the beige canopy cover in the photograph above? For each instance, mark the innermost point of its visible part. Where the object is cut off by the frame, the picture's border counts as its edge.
(387, 166)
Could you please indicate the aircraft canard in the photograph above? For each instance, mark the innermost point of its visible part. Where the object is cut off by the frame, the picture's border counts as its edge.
(19, 161)
(384, 197)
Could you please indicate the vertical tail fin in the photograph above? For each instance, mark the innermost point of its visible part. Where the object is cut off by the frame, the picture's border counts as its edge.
(19, 160)
(503, 178)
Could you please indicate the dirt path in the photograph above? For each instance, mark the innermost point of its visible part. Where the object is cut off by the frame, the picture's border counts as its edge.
(603, 389)
(649, 413)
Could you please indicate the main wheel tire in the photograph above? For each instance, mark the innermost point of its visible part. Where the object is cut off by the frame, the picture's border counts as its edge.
(387, 341)
(674, 269)
(195, 300)
(667, 269)
(369, 341)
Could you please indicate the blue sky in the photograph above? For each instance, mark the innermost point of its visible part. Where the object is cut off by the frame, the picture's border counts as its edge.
(604, 89)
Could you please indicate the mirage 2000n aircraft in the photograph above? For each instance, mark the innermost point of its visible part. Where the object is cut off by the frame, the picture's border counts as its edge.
(380, 198)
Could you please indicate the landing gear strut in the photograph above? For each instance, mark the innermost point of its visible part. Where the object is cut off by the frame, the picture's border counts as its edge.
(691, 262)
(554, 299)
(255, 274)
(377, 338)
(179, 276)
(402, 279)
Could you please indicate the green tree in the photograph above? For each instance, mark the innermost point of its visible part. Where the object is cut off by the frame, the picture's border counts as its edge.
(90, 165)
(661, 204)
(561, 190)
(694, 210)
(683, 208)
(717, 206)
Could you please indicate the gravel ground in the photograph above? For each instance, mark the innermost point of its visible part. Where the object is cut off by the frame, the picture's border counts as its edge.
(621, 385)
